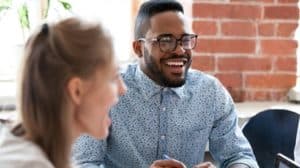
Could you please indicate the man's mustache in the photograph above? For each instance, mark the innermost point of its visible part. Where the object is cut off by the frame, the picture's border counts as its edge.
(173, 56)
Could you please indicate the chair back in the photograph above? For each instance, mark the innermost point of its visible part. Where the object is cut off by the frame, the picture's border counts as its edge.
(270, 132)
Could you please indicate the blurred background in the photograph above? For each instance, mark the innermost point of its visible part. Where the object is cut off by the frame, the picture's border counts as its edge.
(251, 46)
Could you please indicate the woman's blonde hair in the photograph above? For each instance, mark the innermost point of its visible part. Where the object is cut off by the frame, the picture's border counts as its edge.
(53, 56)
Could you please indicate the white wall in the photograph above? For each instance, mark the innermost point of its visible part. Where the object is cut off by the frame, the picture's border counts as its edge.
(116, 17)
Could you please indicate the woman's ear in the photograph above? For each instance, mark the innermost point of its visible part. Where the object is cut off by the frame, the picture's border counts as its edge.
(75, 90)
(137, 47)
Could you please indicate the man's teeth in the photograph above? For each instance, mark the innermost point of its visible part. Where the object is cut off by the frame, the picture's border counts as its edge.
(175, 63)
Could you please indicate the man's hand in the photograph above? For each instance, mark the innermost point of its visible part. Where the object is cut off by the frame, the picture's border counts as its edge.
(205, 165)
(169, 163)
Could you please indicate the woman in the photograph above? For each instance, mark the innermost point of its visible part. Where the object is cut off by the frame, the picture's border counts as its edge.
(69, 83)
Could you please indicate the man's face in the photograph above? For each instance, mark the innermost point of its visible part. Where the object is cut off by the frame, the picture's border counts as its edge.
(166, 68)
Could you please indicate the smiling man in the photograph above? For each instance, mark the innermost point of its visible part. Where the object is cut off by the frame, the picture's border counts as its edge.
(161, 59)
(169, 109)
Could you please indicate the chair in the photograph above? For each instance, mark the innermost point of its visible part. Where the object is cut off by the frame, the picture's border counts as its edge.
(270, 132)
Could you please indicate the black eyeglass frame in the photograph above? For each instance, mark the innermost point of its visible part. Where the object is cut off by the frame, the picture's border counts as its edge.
(177, 40)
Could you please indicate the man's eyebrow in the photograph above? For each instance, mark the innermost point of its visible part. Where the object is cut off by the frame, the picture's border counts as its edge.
(165, 34)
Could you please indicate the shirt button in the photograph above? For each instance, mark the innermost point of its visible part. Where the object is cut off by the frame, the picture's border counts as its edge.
(162, 137)
(164, 109)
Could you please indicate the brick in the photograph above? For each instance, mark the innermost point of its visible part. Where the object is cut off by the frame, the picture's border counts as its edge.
(244, 64)
(258, 95)
(204, 63)
(267, 1)
(237, 94)
(233, 11)
(233, 80)
(280, 95)
(266, 29)
(225, 46)
(286, 64)
(263, 95)
(258, 1)
(288, 1)
(286, 29)
(281, 47)
(281, 12)
(205, 27)
(238, 29)
(270, 81)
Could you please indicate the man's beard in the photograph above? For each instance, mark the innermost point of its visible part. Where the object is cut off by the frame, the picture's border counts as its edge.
(159, 76)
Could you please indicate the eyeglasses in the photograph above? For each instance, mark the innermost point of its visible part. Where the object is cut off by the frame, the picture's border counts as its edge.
(168, 42)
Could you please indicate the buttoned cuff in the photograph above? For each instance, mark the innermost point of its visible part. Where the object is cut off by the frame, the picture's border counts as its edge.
(248, 162)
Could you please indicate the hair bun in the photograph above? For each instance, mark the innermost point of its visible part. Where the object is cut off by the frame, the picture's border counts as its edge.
(45, 29)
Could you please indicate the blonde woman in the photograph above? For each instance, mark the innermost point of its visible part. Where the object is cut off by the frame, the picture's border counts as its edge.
(69, 83)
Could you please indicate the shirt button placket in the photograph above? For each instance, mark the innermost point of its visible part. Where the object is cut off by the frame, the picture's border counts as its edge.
(163, 123)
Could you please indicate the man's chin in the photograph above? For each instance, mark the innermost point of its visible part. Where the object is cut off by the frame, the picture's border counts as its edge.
(174, 83)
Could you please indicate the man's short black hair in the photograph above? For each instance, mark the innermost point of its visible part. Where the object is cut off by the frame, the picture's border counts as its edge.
(149, 9)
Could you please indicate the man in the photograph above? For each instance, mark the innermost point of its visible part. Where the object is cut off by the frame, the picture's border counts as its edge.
(168, 108)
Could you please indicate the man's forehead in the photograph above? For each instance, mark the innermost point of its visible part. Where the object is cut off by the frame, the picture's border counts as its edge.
(169, 23)
(168, 17)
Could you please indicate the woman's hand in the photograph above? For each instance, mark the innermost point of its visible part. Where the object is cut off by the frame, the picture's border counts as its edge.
(169, 163)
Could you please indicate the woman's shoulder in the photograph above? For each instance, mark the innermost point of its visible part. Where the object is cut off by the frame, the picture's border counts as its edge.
(19, 152)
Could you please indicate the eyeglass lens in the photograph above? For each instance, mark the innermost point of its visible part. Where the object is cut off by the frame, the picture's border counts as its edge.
(169, 43)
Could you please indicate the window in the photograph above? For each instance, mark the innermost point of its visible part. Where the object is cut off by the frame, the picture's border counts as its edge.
(116, 15)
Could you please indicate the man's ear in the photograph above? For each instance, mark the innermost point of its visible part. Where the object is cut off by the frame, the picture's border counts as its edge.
(75, 90)
(137, 47)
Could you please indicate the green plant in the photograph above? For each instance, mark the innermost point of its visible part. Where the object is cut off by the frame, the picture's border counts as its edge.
(4, 5)
(64, 3)
(23, 11)
(23, 16)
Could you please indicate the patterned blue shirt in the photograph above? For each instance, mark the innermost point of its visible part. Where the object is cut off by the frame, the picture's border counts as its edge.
(150, 121)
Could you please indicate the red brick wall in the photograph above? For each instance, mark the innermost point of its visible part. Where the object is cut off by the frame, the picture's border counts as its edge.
(249, 45)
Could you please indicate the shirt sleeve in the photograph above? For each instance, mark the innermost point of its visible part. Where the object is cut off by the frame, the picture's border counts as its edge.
(88, 152)
(227, 143)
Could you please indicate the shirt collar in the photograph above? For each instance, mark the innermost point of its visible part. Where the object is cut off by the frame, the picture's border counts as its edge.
(149, 88)
(179, 91)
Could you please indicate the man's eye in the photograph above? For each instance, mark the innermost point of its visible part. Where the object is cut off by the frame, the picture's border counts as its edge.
(186, 39)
